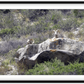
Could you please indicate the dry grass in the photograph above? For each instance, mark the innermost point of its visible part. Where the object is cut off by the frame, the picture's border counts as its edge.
(70, 35)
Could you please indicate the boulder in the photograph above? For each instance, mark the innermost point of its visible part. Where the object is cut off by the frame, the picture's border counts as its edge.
(65, 49)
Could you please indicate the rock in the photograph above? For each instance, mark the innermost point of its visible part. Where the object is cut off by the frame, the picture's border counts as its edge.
(67, 50)
(19, 51)
(63, 55)
(81, 59)
(12, 70)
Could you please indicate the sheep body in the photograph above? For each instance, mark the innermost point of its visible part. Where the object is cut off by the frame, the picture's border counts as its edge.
(56, 33)
(30, 41)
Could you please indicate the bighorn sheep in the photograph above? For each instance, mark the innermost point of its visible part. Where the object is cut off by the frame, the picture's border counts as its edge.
(30, 41)
(56, 33)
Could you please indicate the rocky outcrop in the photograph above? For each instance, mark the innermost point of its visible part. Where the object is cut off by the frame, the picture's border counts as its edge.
(67, 50)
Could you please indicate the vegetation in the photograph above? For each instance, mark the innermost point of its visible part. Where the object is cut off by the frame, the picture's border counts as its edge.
(56, 67)
(16, 23)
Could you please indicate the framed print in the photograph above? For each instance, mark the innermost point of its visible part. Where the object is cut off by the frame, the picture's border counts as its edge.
(41, 41)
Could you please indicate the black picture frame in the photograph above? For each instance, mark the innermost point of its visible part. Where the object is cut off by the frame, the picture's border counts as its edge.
(41, 81)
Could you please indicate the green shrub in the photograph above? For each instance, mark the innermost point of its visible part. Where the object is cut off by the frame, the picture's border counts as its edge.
(56, 67)
(45, 68)
(78, 13)
(68, 24)
(5, 62)
(56, 16)
(7, 31)
(57, 26)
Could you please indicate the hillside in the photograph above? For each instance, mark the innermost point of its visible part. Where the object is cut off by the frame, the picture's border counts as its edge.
(18, 25)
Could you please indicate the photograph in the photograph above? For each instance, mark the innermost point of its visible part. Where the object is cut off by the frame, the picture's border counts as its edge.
(41, 41)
